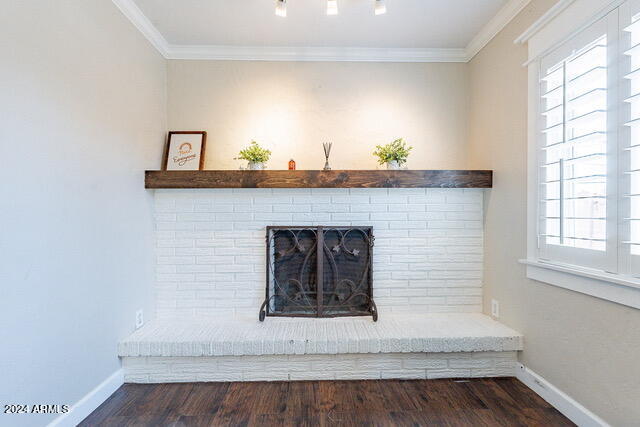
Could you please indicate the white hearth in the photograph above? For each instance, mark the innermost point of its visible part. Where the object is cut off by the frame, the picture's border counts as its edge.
(397, 346)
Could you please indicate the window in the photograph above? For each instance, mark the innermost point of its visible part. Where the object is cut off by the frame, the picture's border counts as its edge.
(577, 145)
(630, 141)
(583, 209)
(589, 147)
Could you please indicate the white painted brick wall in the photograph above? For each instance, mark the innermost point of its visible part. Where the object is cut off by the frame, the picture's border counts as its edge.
(211, 245)
(319, 367)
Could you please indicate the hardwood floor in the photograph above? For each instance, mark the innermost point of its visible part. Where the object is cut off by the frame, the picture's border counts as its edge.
(476, 402)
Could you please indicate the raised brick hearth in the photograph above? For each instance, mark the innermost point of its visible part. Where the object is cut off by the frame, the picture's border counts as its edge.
(397, 346)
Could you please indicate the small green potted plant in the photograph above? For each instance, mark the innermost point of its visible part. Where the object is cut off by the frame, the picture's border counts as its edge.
(394, 154)
(255, 155)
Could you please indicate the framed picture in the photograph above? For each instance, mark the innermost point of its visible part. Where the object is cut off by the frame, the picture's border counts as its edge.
(184, 151)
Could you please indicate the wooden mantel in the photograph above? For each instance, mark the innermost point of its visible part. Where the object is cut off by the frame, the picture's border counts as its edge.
(320, 179)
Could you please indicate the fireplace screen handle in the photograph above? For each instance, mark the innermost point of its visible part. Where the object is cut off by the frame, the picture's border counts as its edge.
(320, 269)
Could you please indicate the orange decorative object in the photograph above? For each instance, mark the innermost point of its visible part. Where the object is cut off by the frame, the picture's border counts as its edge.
(292, 165)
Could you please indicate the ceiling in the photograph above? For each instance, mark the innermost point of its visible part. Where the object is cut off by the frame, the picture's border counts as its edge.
(412, 30)
(407, 23)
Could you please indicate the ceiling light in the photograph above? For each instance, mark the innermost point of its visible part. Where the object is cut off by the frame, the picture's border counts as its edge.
(381, 7)
(332, 7)
(281, 8)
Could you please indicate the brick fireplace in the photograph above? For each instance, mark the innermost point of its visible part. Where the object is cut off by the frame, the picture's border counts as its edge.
(425, 279)
(211, 245)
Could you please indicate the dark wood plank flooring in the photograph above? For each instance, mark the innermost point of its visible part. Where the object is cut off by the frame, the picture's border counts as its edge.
(475, 402)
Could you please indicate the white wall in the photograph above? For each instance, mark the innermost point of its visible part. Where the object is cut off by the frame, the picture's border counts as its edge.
(292, 107)
(585, 346)
(82, 115)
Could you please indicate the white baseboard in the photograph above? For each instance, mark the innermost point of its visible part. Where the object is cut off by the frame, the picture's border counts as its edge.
(82, 408)
(560, 400)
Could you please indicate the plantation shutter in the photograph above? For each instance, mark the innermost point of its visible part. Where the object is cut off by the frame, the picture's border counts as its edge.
(630, 140)
(577, 149)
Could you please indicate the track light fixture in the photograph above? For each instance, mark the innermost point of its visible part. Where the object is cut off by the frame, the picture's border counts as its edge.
(332, 7)
(281, 8)
(380, 7)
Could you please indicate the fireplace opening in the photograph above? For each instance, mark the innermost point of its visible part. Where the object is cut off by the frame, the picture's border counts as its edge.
(304, 281)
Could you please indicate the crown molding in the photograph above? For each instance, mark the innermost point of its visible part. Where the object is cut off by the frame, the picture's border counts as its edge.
(555, 10)
(142, 23)
(494, 26)
(354, 54)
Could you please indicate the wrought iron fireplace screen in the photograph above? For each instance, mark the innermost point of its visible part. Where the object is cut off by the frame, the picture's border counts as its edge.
(303, 281)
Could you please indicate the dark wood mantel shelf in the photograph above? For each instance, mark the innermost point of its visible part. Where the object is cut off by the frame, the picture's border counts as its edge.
(320, 179)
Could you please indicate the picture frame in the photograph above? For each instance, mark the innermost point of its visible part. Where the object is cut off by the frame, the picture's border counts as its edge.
(185, 150)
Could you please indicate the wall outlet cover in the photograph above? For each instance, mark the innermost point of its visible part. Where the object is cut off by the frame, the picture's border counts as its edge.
(495, 308)
(139, 318)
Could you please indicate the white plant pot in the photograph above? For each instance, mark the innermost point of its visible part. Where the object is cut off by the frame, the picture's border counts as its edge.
(393, 165)
(256, 166)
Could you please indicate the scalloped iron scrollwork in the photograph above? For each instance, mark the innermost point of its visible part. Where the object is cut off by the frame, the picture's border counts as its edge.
(319, 272)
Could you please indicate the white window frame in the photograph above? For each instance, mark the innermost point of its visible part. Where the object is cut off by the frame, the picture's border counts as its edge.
(614, 279)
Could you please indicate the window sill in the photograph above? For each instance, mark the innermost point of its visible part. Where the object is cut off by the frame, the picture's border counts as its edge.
(612, 287)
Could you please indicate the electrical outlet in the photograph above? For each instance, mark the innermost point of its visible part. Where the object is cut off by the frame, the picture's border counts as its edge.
(495, 308)
(139, 318)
